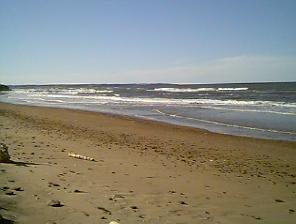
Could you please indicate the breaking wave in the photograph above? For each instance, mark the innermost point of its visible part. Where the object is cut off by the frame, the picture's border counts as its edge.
(189, 90)
(266, 107)
(156, 101)
(233, 89)
(69, 91)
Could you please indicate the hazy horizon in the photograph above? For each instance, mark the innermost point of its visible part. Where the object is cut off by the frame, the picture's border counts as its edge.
(147, 42)
(147, 83)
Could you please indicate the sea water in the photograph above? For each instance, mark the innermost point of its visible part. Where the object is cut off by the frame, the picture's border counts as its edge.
(262, 110)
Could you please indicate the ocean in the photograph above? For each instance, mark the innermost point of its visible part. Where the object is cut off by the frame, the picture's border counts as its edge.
(262, 110)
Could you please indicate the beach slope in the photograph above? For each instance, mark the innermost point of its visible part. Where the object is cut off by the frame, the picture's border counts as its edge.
(144, 171)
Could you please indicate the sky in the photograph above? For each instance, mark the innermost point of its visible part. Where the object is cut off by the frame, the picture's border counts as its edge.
(170, 41)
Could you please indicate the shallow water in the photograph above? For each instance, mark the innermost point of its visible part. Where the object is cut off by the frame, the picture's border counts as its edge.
(264, 110)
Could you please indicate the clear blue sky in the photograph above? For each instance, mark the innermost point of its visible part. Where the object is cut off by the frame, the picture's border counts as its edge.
(147, 41)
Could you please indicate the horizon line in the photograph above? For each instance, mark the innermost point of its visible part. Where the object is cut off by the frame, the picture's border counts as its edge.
(147, 83)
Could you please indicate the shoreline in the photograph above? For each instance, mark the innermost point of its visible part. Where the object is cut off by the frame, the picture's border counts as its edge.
(145, 171)
(258, 110)
(144, 119)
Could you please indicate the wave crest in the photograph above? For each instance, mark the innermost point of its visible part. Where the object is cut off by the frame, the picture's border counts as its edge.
(189, 90)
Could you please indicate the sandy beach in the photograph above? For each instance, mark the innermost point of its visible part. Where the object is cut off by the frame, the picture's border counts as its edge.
(144, 171)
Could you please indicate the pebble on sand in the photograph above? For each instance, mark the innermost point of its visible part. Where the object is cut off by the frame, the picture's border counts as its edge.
(113, 222)
(55, 203)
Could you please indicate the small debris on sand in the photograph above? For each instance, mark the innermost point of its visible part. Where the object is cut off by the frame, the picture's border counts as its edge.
(71, 154)
(183, 203)
(55, 203)
(50, 184)
(10, 193)
(79, 191)
(104, 210)
(18, 189)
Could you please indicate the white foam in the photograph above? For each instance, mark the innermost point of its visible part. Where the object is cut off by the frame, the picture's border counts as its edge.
(68, 91)
(159, 101)
(226, 124)
(87, 90)
(182, 90)
(139, 100)
(249, 110)
(72, 96)
(188, 90)
(233, 89)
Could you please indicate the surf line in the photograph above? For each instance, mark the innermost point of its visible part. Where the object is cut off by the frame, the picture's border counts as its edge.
(248, 110)
(225, 124)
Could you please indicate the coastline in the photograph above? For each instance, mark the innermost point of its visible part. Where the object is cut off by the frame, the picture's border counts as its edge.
(253, 110)
(143, 120)
(149, 171)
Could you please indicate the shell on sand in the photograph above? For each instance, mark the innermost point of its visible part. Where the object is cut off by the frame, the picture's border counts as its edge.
(113, 222)
(71, 154)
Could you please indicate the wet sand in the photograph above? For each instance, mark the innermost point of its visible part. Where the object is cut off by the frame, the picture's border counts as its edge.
(145, 171)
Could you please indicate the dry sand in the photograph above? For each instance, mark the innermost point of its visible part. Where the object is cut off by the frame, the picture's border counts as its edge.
(145, 172)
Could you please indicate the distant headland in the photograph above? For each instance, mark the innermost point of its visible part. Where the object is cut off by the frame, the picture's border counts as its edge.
(4, 88)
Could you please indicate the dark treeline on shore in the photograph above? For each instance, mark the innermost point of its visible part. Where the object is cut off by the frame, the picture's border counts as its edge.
(4, 88)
